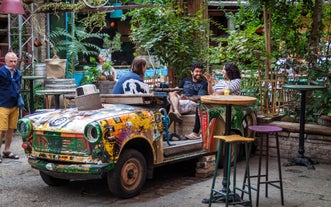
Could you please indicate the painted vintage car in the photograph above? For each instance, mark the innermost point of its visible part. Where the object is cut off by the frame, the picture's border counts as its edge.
(120, 142)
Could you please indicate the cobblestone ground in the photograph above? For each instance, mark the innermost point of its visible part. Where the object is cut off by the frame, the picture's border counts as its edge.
(176, 186)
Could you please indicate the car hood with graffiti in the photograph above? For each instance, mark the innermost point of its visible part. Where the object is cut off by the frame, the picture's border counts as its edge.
(87, 136)
(74, 121)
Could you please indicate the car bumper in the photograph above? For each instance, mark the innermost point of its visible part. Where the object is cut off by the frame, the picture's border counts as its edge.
(71, 170)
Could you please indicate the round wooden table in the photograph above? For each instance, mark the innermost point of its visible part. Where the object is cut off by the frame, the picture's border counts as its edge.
(228, 101)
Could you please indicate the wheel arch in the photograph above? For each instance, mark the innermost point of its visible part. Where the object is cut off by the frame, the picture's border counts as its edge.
(144, 147)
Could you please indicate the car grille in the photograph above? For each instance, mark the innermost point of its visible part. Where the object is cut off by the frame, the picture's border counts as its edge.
(60, 143)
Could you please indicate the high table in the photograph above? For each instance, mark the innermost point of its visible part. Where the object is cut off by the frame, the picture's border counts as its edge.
(56, 93)
(31, 79)
(228, 101)
(301, 159)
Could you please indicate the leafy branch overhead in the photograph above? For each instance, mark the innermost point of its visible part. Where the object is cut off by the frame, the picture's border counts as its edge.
(176, 39)
(93, 19)
(95, 16)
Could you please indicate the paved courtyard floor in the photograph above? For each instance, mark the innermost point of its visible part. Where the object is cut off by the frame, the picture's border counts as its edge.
(20, 185)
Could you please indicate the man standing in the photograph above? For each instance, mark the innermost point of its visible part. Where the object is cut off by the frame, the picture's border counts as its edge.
(10, 82)
(186, 103)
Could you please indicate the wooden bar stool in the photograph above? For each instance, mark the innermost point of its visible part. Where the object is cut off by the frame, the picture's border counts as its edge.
(230, 196)
(264, 131)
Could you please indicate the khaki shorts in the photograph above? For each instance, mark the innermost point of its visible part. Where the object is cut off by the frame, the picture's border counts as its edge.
(187, 107)
(8, 117)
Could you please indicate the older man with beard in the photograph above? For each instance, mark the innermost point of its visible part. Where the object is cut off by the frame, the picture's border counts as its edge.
(186, 103)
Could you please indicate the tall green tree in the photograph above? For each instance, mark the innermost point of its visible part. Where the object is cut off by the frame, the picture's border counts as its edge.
(297, 28)
(177, 39)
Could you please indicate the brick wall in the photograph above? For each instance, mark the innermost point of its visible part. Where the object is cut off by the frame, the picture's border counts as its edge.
(317, 143)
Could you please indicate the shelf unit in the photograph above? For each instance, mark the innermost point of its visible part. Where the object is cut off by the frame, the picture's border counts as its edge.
(3, 36)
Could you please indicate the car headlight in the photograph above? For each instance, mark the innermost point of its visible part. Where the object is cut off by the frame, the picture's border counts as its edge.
(24, 127)
(93, 132)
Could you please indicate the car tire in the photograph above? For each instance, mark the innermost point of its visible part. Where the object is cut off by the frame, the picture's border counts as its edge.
(52, 181)
(129, 175)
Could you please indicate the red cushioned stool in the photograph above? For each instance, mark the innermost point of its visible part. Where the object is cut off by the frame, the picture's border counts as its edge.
(264, 132)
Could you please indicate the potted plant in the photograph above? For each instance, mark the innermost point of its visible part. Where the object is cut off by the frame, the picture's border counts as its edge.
(112, 45)
(93, 73)
(107, 76)
(77, 45)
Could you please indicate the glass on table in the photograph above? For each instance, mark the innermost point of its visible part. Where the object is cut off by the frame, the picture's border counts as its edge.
(227, 92)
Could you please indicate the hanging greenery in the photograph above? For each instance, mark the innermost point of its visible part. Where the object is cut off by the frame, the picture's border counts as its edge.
(176, 39)
(61, 6)
(91, 20)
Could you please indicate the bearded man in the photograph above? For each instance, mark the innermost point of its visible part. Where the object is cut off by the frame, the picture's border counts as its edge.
(187, 101)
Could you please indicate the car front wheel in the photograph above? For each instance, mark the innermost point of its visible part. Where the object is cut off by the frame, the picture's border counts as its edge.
(52, 181)
(129, 175)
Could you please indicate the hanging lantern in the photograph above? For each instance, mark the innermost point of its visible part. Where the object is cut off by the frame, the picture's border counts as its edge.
(12, 7)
